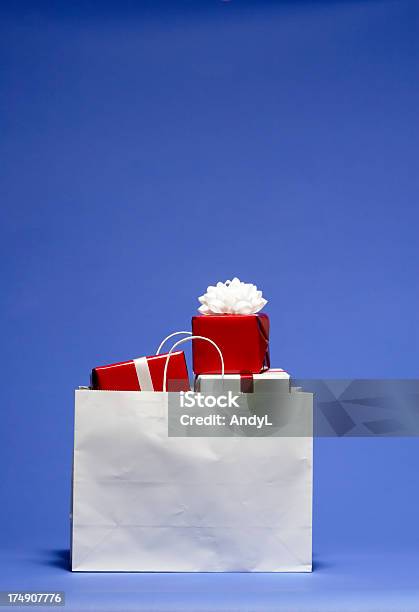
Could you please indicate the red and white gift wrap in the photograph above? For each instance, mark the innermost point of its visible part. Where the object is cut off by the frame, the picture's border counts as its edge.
(242, 339)
(273, 381)
(143, 374)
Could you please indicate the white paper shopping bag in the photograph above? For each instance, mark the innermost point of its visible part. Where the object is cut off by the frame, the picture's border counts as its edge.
(145, 501)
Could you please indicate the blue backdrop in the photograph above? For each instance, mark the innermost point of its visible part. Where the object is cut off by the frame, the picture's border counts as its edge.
(149, 149)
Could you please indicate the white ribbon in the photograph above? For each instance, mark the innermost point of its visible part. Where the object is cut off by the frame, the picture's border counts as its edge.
(143, 374)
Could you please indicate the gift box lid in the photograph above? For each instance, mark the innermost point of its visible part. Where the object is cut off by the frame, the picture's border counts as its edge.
(271, 374)
(271, 381)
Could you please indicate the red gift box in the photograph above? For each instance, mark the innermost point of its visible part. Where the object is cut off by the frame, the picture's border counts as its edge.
(242, 339)
(143, 374)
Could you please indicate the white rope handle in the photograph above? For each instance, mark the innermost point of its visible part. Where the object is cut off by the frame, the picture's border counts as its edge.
(179, 342)
(187, 333)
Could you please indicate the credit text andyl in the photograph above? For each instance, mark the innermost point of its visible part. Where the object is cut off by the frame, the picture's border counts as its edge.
(200, 400)
(212, 420)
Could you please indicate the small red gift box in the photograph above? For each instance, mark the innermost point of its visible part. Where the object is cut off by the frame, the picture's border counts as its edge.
(242, 339)
(143, 374)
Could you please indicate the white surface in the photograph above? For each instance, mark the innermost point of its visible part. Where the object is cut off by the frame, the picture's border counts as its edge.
(145, 502)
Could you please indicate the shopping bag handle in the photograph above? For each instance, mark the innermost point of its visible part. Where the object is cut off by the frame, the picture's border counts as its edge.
(179, 342)
(187, 333)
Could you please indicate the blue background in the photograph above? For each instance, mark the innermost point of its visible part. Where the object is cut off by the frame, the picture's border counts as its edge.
(149, 149)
